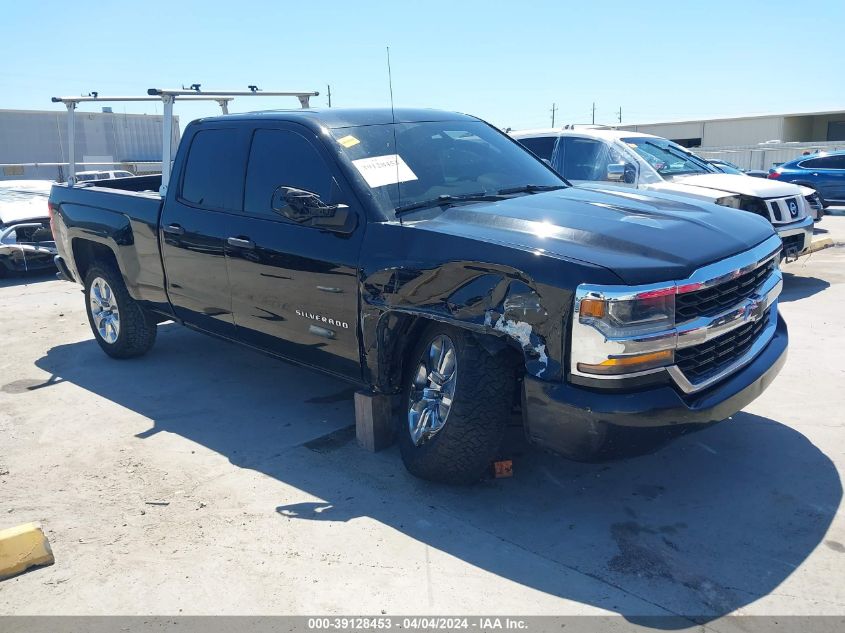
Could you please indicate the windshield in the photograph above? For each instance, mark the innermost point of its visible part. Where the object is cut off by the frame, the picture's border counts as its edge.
(728, 168)
(667, 158)
(439, 158)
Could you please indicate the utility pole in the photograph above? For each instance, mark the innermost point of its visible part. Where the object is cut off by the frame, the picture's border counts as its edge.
(594, 112)
(329, 94)
(554, 108)
(619, 114)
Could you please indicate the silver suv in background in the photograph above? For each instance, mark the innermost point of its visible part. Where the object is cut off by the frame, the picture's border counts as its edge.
(597, 157)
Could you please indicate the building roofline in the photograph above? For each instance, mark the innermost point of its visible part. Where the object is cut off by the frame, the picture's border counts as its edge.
(740, 117)
(64, 112)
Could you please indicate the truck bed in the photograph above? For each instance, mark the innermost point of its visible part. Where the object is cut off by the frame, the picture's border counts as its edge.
(122, 214)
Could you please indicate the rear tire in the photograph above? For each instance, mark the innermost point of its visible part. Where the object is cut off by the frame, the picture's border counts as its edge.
(453, 442)
(120, 326)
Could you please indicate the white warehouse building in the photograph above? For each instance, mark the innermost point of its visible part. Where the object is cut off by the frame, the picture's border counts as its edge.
(34, 144)
(757, 141)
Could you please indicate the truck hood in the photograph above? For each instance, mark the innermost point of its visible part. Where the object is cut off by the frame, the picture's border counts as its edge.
(641, 238)
(727, 184)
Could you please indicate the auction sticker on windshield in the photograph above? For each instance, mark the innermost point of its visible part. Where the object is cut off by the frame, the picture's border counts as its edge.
(348, 141)
(379, 171)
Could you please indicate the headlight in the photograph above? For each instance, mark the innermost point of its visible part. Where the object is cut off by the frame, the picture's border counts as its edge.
(628, 317)
(624, 335)
(729, 201)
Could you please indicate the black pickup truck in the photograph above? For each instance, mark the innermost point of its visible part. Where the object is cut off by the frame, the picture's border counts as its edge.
(427, 255)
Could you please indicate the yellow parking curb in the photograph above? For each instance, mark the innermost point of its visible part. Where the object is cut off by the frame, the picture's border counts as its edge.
(818, 245)
(22, 547)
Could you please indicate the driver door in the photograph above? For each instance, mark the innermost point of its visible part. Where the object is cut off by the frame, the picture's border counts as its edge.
(294, 287)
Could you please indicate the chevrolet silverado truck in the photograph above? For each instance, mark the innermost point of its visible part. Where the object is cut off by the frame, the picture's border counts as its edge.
(427, 256)
(598, 157)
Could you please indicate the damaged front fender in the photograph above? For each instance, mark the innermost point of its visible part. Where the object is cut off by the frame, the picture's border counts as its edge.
(518, 297)
(488, 299)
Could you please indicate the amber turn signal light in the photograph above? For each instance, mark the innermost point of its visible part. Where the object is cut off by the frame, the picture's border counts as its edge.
(595, 308)
(629, 364)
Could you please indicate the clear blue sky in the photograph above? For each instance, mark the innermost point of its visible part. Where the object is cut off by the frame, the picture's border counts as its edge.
(504, 61)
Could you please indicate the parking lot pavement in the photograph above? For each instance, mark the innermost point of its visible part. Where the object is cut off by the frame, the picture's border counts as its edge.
(204, 479)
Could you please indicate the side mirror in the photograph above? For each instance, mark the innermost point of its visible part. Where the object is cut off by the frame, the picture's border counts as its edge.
(616, 172)
(306, 207)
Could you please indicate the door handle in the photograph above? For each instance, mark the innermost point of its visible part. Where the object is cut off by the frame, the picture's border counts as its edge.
(173, 229)
(241, 242)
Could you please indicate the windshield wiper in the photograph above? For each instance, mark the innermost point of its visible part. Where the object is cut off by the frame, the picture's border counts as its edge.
(446, 200)
(529, 189)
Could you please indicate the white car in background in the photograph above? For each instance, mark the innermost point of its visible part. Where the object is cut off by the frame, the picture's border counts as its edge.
(591, 155)
(108, 174)
(815, 208)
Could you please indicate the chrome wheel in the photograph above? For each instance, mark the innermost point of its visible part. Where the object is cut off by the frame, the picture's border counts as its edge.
(104, 310)
(432, 389)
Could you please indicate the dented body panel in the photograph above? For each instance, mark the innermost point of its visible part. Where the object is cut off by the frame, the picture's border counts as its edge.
(25, 240)
(524, 303)
(26, 246)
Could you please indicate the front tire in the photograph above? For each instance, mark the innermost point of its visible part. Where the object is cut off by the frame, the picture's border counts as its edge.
(120, 326)
(456, 404)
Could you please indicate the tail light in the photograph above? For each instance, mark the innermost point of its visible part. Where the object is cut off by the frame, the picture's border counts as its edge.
(774, 175)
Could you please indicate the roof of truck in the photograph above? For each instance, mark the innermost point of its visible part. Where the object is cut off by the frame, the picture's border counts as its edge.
(348, 117)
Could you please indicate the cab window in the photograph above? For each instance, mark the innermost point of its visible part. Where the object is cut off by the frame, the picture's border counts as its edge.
(283, 158)
(214, 170)
(542, 146)
(579, 158)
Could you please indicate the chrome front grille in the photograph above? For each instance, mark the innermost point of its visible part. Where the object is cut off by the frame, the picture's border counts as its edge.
(713, 300)
(785, 210)
(700, 362)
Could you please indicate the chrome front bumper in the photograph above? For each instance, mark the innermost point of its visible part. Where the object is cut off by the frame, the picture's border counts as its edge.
(796, 236)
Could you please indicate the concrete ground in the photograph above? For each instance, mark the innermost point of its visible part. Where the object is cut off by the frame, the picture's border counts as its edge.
(207, 479)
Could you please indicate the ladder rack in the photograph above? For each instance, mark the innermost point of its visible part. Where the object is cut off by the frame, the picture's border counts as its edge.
(167, 97)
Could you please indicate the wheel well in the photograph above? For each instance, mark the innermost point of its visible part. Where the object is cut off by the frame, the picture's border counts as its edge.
(86, 252)
(402, 333)
(396, 339)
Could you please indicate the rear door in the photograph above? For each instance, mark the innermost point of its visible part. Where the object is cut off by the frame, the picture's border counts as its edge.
(195, 222)
(295, 287)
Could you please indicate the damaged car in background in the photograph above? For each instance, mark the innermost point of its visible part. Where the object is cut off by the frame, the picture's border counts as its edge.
(598, 157)
(428, 257)
(26, 242)
(815, 205)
